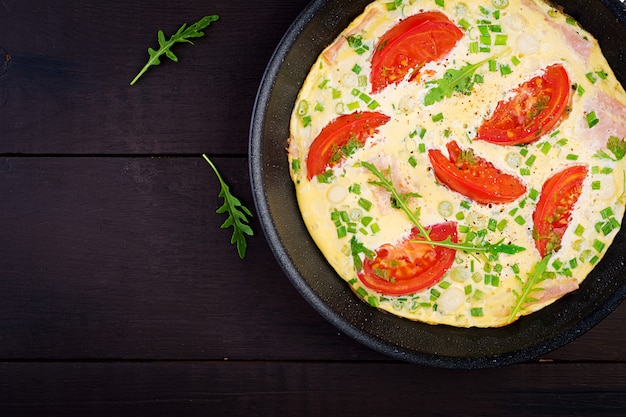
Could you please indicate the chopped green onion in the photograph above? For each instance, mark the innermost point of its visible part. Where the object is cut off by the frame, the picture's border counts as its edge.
(596, 185)
(464, 23)
(606, 213)
(355, 188)
(571, 157)
(477, 312)
(445, 209)
(500, 40)
(302, 108)
(412, 161)
(354, 105)
(598, 245)
(580, 229)
(356, 69)
(295, 166)
(545, 147)
(437, 117)
(591, 77)
(366, 204)
(500, 4)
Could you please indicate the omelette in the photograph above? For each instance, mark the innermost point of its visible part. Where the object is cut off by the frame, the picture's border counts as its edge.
(461, 162)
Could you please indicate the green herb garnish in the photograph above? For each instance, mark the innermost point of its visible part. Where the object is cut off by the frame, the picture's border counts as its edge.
(401, 202)
(184, 34)
(455, 80)
(617, 148)
(237, 214)
(530, 286)
(356, 248)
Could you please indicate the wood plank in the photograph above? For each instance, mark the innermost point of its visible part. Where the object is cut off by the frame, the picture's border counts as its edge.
(124, 258)
(309, 389)
(67, 90)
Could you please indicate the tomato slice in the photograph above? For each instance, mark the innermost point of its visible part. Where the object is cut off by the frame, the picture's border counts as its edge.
(410, 265)
(537, 107)
(474, 177)
(409, 45)
(552, 214)
(339, 138)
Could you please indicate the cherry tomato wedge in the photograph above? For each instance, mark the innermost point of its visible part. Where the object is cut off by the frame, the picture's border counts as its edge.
(474, 177)
(552, 214)
(537, 106)
(333, 143)
(409, 45)
(410, 265)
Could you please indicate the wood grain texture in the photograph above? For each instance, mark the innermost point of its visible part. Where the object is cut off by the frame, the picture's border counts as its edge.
(309, 389)
(67, 90)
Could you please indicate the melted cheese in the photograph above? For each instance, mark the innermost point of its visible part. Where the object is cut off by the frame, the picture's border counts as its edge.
(468, 294)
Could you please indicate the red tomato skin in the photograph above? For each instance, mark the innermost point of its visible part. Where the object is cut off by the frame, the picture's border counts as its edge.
(482, 183)
(360, 125)
(421, 265)
(551, 217)
(510, 124)
(410, 44)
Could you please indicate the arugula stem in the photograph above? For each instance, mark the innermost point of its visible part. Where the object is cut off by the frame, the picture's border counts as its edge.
(184, 34)
(400, 199)
(237, 213)
(468, 247)
(530, 286)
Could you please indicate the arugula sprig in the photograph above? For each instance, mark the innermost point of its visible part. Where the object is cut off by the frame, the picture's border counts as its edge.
(401, 202)
(530, 286)
(184, 34)
(617, 148)
(237, 214)
(455, 80)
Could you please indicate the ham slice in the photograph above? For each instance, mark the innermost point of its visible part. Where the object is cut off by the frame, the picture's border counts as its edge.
(330, 53)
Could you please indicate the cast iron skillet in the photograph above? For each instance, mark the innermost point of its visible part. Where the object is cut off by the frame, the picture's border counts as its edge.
(277, 208)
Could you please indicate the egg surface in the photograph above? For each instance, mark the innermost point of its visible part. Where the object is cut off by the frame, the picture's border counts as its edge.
(461, 163)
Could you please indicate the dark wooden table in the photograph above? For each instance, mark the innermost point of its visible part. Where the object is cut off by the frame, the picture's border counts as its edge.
(119, 292)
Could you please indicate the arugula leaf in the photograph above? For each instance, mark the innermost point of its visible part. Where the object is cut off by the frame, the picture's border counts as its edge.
(182, 35)
(455, 80)
(616, 146)
(236, 214)
(530, 286)
(401, 201)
